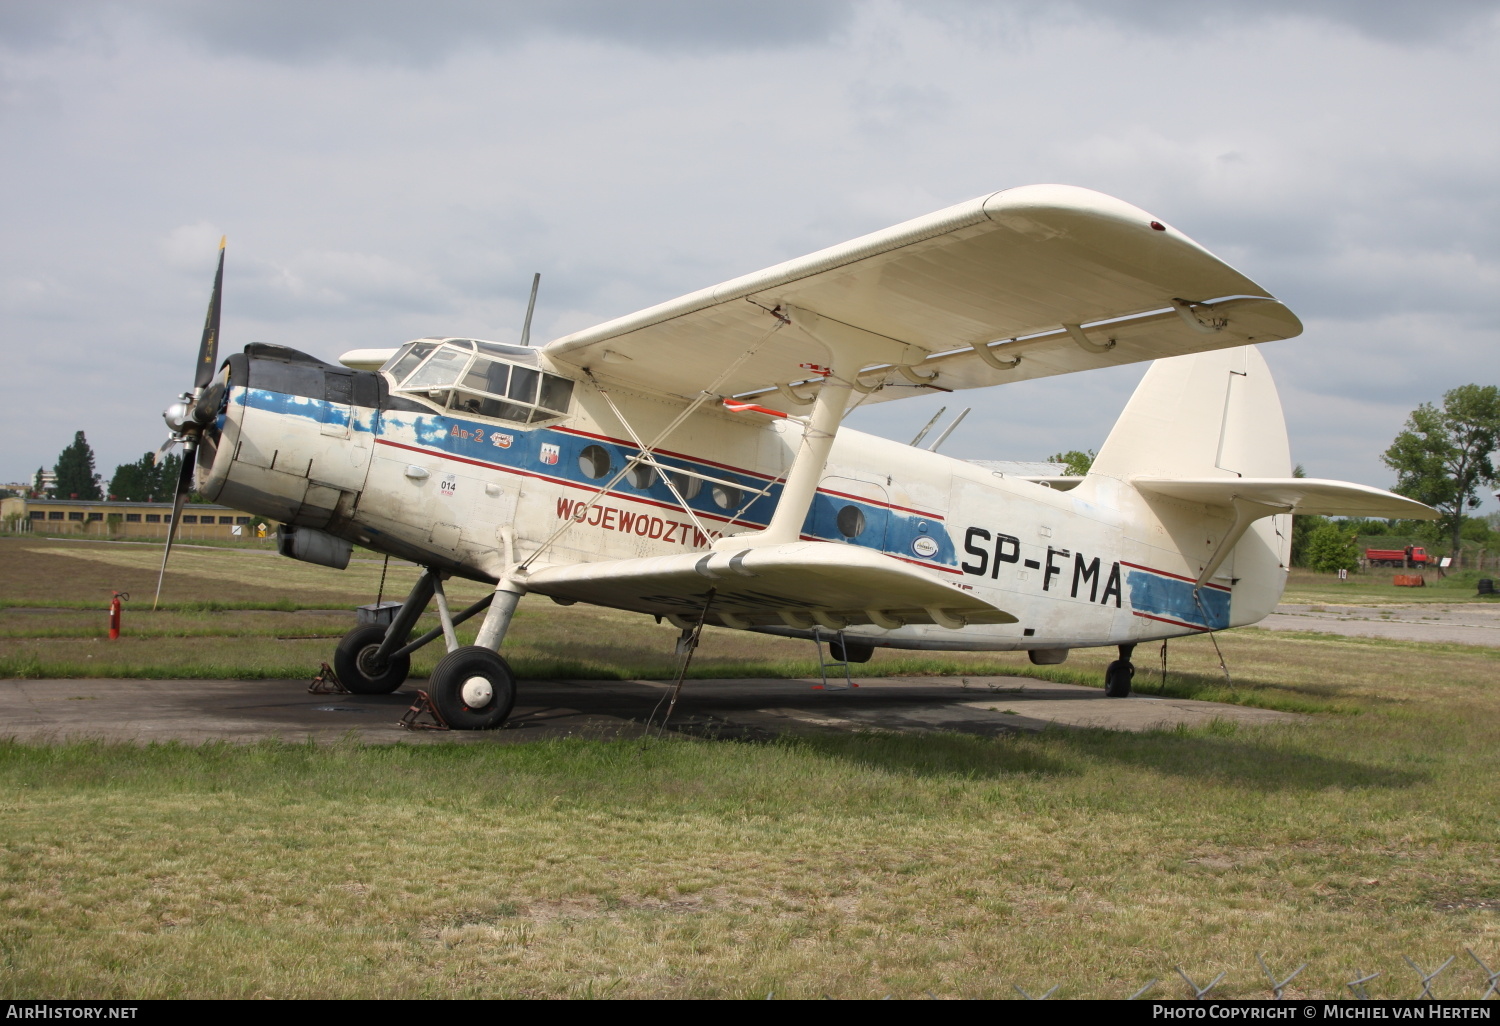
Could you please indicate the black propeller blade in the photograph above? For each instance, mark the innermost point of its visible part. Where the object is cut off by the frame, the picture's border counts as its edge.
(208, 350)
(186, 418)
(184, 485)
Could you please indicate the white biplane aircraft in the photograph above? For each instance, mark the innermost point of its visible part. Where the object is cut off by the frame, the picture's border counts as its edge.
(687, 461)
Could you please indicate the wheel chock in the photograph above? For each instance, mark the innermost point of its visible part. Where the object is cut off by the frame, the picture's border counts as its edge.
(412, 718)
(326, 682)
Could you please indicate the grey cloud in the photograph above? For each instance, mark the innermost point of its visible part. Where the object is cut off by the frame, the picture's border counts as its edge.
(1393, 21)
(400, 32)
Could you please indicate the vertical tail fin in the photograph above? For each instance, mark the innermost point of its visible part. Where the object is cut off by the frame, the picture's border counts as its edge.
(1205, 415)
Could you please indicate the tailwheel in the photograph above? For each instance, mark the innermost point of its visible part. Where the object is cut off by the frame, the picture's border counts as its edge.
(359, 668)
(1117, 677)
(472, 688)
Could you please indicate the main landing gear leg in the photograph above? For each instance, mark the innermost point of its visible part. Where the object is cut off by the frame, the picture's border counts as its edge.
(472, 687)
(1118, 674)
(367, 659)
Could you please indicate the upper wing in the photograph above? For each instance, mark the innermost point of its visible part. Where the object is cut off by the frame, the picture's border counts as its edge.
(802, 584)
(1297, 494)
(1018, 264)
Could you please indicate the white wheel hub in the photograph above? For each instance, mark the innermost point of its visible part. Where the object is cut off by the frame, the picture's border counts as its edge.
(477, 692)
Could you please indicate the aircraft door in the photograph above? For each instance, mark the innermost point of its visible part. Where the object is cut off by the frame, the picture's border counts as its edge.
(850, 510)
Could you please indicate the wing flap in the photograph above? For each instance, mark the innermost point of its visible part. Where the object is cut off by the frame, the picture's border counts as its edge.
(1297, 494)
(799, 584)
(1154, 336)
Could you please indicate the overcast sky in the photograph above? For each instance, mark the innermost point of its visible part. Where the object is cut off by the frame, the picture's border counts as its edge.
(391, 170)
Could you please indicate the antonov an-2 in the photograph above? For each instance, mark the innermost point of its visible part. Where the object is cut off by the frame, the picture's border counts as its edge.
(687, 461)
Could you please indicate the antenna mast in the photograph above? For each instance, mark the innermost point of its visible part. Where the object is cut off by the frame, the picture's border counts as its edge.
(536, 281)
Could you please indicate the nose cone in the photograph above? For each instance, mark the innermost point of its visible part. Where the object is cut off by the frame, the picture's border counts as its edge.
(178, 416)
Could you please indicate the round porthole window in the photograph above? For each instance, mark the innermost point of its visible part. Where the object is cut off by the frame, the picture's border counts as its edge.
(642, 475)
(851, 521)
(593, 461)
(726, 497)
(687, 487)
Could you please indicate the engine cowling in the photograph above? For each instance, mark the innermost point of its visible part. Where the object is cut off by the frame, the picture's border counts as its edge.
(291, 438)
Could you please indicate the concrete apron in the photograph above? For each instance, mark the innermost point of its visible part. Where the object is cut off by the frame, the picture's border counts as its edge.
(227, 710)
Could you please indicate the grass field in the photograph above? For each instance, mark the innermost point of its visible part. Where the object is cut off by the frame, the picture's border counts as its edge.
(854, 866)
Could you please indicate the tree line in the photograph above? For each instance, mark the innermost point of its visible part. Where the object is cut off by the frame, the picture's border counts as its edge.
(75, 477)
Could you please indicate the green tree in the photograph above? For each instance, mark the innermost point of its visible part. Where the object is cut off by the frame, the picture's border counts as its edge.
(38, 488)
(1302, 527)
(76, 478)
(1331, 548)
(164, 478)
(134, 482)
(1078, 463)
(1442, 457)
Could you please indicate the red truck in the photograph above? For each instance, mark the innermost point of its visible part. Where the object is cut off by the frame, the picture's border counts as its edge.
(1412, 555)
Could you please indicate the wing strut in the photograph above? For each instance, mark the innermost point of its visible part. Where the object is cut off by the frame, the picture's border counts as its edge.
(702, 397)
(849, 349)
(647, 455)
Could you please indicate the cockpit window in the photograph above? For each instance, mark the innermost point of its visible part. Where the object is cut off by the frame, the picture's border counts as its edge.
(453, 375)
(556, 392)
(408, 358)
(488, 376)
(442, 368)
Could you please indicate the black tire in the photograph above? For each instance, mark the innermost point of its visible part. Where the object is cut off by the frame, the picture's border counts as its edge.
(1117, 678)
(472, 688)
(353, 661)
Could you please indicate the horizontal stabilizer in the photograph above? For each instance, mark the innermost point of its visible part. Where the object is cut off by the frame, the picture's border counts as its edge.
(802, 584)
(1304, 495)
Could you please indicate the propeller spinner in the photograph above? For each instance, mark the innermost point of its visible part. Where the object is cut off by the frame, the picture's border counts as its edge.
(192, 413)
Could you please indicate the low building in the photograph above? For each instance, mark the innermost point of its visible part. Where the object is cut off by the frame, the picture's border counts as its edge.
(200, 521)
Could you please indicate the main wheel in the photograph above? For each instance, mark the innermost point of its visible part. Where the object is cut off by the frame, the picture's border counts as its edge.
(1117, 677)
(472, 688)
(358, 669)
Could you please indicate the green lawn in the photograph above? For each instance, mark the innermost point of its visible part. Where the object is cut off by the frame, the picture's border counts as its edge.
(853, 866)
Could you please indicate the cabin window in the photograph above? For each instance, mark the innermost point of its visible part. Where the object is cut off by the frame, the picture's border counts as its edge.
(851, 522)
(593, 461)
(687, 487)
(725, 497)
(642, 475)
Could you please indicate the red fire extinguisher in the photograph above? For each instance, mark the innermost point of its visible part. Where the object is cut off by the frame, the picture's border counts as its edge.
(114, 613)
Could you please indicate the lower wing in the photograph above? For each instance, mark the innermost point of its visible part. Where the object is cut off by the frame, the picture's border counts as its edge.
(802, 584)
